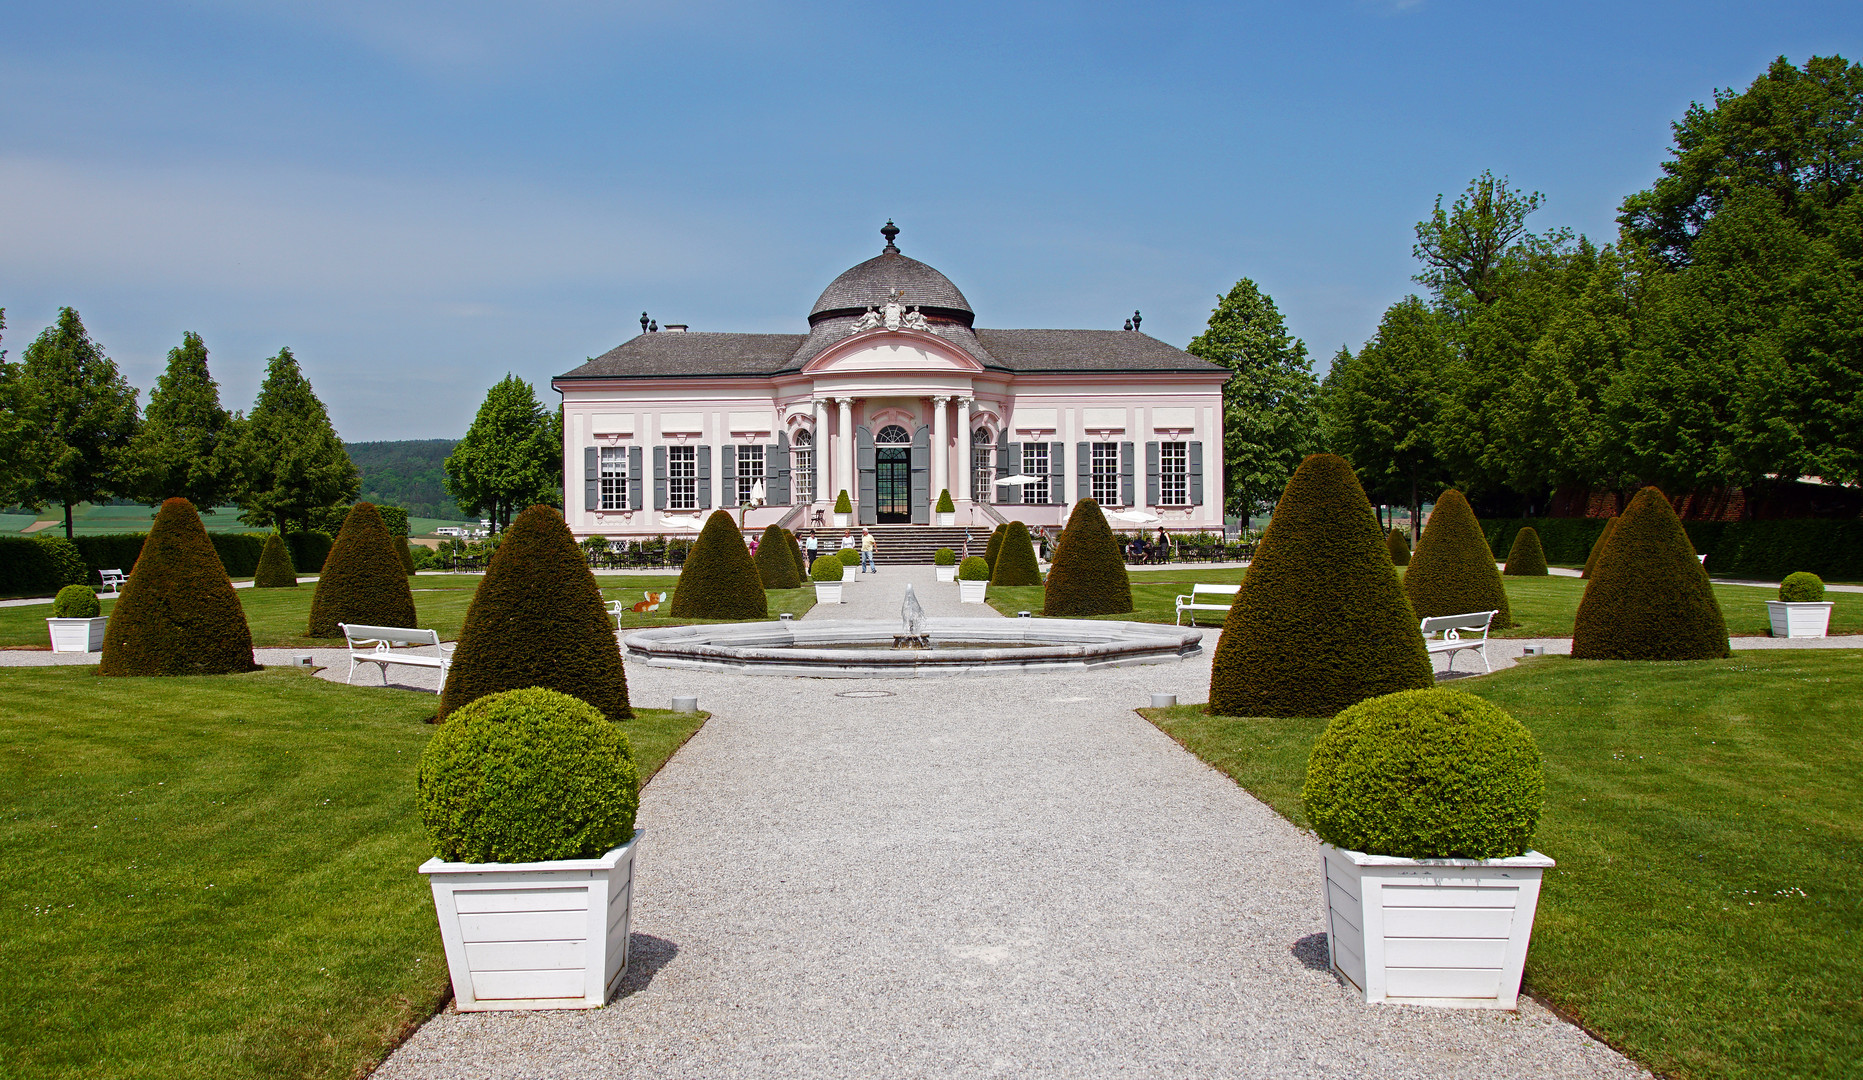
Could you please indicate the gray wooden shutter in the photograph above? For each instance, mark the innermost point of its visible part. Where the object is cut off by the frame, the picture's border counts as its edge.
(776, 470)
(659, 478)
(591, 479)
(1083, 471)
(633, 478)
(1151, 474)
(1196, 473)
(1127, 486)
(704, 455)
(1010, 464)
(921, 476)
(1057, 473)
(727, 468)
(865, 464)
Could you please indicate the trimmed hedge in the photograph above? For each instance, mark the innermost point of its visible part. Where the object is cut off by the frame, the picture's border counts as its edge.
(1397, 542)
(1320, 622)
(1526, 558)
(67, 565)
(40, 572)
(538, 620)
(1015, 558)
(719, 580)
(944, 557)
(1757, 550)
(1799, 588)
(1088, 575)
(274, 570)
(80, 602)
(1425, 774)
(178, 614)
(993, 545)
(1452, 572)
(527, 776)
(827, 568)
(775, 561)
(363, 580)
(973, 568)
(1648, 597)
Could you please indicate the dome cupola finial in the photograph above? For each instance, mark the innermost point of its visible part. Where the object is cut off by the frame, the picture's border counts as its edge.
(890, 231)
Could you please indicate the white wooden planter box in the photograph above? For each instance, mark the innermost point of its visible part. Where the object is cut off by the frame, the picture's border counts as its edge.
(840, 521)
(1445, 932)
(946, 573)
(1799, 619)
(78, 635)
(971, 592)
(542, 935)
(828, 592)
(947, 520)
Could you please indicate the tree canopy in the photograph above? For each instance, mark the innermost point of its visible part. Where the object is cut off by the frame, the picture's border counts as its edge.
(292, 467)
(86, 419)
(512, 455)
(1382, 405)
(184, 449)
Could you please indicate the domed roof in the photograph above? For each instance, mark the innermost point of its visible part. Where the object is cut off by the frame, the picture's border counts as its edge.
(870, 284)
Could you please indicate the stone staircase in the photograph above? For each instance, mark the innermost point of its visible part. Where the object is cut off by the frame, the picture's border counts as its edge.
(905, 545)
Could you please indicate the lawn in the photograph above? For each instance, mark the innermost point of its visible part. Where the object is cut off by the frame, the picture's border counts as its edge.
(1706, 916)
(278, 616)
(1542, 607)
(215, 877)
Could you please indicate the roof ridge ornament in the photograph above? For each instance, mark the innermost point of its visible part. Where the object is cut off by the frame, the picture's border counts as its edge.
(889, 230)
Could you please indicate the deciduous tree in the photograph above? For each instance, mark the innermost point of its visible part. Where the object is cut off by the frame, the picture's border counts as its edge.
(512, 455)
(87, 417)
(1381, 406)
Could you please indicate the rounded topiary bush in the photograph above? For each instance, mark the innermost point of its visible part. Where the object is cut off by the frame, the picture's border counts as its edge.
(974, 568)
(719, 580)
(827, 568)
(79, 602)
(1604, 534)
(848, 556)
(538, 620)
(178, 614)
(842, 504)
(1526, 558)
(944, 557)
(1320, 621)
(994, 545)
(1452, 572)
(1397, 542)
(363, 580)
(1799, 588)
(527, 776)
(275, 570)
(1088, 575)
(1015, 558)
(776, 561)
(1648, 598)
(1425, 774)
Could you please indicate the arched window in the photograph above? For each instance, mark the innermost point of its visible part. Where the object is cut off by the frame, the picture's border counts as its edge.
(802, 467)
(982, 465)
(893, 435)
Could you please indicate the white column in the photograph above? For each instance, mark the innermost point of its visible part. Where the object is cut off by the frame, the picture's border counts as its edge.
(963, 449)
(941, 446)
(844, 449)
(822, 449)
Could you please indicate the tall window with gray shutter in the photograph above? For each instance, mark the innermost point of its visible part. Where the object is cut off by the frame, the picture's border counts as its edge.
(749, 473)
(802, 468)
(614, 479)
(982, 465)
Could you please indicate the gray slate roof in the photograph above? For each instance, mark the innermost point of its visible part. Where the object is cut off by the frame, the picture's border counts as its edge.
(867, 284)
(1088, 350)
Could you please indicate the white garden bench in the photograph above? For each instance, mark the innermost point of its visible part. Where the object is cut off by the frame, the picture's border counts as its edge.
(1205, 598)
(377, 645)
(113, 582)
(1451, 628)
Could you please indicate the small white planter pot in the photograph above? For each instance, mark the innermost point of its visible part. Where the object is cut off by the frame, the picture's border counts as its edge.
(840, 521)
(542, 935)
(77, 635)
(971, 592)
(1446, 932)
(946, 573)
(1799, 619)
(945, 521)
(828, 592)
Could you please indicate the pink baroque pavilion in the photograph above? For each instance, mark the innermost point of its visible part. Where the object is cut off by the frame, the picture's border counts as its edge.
(893, 395)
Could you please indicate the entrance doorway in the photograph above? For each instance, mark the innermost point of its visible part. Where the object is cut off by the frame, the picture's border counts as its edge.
(892, 483)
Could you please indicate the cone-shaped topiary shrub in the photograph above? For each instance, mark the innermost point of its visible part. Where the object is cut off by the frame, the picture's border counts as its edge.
(1088, 575)
(363, 580)
(797, 557)
(1398, 543)
(1320, 622)
(1425, 774)
(1015, 558)
(719, 580)
(275, 570)
(842, 504)
(1526, 558)
(407, 556)
(1452, 572)
(944, 557)
(993, 545)
(80, 602)
(945, 505)
(974, 568)
(1597, 545)
(178, 614)
(776, 561)
(538, 620)
(1799, 588)
(827, 568)
(527, 776)
(1648, 597)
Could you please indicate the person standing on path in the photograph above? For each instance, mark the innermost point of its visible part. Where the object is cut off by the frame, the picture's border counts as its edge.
(867, 548)
(814, 544)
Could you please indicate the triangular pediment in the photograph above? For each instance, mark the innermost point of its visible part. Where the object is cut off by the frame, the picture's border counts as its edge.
(893, 352)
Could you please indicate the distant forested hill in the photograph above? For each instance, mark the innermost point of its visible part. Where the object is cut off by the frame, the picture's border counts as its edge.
(406, 474)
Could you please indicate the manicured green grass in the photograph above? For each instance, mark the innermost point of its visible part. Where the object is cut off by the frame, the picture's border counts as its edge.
(278, 616)
(1706, 915)
(215, 877)
(1542, 607)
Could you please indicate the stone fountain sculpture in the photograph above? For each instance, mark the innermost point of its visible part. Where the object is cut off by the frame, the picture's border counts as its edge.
(912, 614)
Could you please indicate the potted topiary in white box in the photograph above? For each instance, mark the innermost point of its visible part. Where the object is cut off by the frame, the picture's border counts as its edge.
(1425, 802)
(827, 574)
(947, 510)
(843, 506)
(944, 560)
(1801, 610)
(529, 797)
(973, 580)
(76, 624)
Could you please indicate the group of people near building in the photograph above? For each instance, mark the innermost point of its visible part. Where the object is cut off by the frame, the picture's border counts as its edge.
(812, 546)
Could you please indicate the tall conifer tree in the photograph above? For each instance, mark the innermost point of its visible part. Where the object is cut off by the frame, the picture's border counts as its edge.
(291, 462)
(182, 450)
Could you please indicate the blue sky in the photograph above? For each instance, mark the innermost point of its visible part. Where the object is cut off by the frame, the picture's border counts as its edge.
(418, 197)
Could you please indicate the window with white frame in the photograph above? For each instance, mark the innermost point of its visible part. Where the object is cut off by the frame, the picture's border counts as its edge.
(614, 478)
(1035, 463)
(982, 465)
(1173, 474)
(749, 473)
(682, 478)
(1105, 464)
(802, 469)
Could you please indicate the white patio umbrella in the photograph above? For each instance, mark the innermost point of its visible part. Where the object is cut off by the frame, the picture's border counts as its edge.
(1019, 478)
(757, 493)
(692, 523)
(1139, 516)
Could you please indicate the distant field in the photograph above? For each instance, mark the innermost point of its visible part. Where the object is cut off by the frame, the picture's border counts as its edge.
(88, 520)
